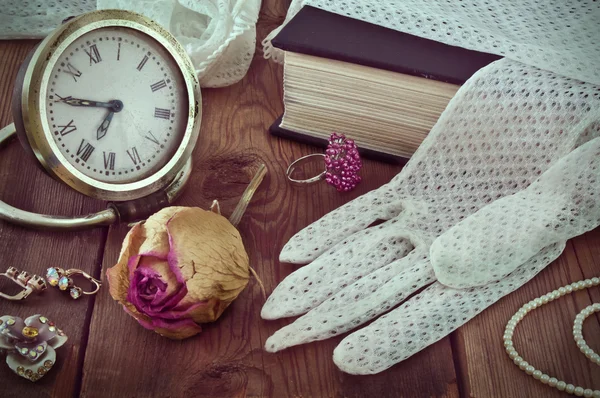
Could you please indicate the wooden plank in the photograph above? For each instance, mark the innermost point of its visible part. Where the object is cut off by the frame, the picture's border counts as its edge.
(227, 359)
(544, 337)
(23, 184)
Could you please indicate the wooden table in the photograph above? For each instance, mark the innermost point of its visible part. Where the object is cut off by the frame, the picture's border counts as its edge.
(110, 355)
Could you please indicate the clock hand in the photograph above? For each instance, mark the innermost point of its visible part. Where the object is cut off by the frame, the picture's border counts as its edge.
(101, 132)
(114, 105)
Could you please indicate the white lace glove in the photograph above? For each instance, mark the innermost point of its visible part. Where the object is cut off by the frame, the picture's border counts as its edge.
(465, 163)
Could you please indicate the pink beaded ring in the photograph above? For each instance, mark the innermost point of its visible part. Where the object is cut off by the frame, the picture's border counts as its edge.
(341, 161)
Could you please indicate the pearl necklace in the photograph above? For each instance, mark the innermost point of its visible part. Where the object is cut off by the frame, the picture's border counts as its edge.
(581, 343)
(585, 349)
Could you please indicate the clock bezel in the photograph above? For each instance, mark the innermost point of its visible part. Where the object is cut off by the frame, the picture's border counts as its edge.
(34, 92)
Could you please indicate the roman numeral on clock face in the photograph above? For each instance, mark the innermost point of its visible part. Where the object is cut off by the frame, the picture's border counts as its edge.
(142, 63)
(85, 150)
(152, 138)
(109, 160)
(162, 113)
(94, 54)
(69, 128)
(133, 154)
(158, 85)
(73, 71)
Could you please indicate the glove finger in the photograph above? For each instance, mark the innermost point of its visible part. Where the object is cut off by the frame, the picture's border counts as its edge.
(320, 236)
(358, 303)
(344, 264)
(428, 317)
(491, 243)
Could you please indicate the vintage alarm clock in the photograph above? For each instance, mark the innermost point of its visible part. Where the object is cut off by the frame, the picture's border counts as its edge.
(110, 105)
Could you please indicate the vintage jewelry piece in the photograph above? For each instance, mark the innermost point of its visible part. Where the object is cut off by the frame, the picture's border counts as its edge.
(30, 344)
(29, 283)
(577, 332)
(57, 277)
(342, 164)
(538, 302)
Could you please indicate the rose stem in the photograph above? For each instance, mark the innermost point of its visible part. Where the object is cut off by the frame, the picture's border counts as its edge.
(242, 205)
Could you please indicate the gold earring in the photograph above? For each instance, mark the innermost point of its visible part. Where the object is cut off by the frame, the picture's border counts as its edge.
(58, 277)
(29, 284)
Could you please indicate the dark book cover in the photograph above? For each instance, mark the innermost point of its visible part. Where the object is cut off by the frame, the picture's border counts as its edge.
(324, 34)
(328, 35)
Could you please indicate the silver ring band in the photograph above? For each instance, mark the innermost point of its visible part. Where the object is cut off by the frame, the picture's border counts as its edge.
(303, 160)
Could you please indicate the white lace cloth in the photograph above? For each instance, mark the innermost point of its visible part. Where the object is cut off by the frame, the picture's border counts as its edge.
(219, 35)
(562, 36)
(507, 175)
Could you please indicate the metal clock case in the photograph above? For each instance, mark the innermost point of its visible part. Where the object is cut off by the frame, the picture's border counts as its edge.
(109, 104)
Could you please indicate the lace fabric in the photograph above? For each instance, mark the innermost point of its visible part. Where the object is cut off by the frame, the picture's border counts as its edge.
(556, 35)
(510, 132)
(218, 35)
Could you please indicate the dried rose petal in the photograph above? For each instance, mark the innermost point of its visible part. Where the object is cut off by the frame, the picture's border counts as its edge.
(181, 267)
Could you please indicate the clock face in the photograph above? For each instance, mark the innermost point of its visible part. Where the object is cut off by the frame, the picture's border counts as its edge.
(116, 105)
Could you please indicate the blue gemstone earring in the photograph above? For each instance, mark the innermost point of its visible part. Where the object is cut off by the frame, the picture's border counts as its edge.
(58, 277)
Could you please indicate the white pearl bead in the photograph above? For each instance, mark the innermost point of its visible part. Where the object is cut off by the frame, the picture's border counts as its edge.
(533, 304)
(577, 335)
(561, 385)
(545, 378)
(588, 393)
(523, 364)
(562, 290)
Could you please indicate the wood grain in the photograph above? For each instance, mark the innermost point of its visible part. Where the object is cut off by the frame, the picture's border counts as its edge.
(227, 359)
(544, 337)
(23, 184)
(110, 355)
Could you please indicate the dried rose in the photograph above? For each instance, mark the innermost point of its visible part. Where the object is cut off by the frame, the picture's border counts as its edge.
(181, 267)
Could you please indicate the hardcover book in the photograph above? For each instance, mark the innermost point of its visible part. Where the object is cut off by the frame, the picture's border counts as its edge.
(383, 88)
